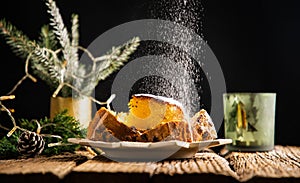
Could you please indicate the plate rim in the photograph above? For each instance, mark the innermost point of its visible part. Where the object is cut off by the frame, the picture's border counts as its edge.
(129, 144)
(113, 150)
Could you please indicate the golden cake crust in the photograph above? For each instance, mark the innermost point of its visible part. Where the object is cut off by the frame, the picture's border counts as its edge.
(106, 126)
(203, 127)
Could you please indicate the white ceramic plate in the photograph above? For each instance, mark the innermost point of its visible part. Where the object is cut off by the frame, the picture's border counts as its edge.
(145, 151)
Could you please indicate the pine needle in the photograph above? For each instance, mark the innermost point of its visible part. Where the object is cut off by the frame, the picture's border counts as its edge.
(16, 39)
(59, 29)
(75, 30)
(62, 125)
(54, 58)
(118, 57)
(75, 36)
(47, 38)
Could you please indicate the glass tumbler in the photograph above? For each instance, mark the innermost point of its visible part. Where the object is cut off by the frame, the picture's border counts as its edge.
(249, 120)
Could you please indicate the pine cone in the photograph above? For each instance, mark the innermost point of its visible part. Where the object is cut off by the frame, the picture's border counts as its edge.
(30, 144)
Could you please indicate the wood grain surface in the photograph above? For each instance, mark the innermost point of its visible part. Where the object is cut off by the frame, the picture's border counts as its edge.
(279, 165)
(282, 162)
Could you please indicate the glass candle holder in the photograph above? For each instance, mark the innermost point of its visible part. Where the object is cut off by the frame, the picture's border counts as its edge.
(249, 120)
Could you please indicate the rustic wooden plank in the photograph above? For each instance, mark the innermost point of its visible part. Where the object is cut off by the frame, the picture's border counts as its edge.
(206, 167)
(41, 169)
(106, 170)
(203, 165)
(282, 162)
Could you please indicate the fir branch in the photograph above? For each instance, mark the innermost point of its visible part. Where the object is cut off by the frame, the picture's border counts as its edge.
(62, 125)
(8, 146)
(23, 47)
(108, 64)
(75, 42)
(64, 69)
(46, 66)
(75, 30)
(62, 34)
(47, 38)
(117, 57)
(59, 28)
(16, 39)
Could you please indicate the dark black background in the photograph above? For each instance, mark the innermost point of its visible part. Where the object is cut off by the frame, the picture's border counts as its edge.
(256, 42)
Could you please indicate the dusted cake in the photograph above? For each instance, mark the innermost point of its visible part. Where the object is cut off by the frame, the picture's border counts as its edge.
(203, 127)
(106, 127)
(147, 111)
(150, 119)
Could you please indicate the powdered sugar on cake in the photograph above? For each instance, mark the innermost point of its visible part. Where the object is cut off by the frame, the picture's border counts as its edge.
(161, 98)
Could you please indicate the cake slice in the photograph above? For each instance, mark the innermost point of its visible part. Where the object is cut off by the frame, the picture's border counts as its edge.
(172, 130)
(146, 111)
(203, 127)
(150, 119)
(106, 127)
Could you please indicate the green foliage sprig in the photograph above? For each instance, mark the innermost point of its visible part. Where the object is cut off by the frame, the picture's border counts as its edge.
(62, 125)
(54, 57)
(8, 146)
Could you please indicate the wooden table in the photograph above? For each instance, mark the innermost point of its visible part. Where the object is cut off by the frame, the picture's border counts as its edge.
(280, 165)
